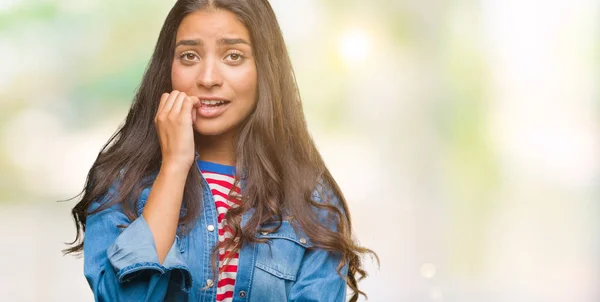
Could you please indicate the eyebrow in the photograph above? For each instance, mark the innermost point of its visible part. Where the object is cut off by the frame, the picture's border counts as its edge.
(226, 41)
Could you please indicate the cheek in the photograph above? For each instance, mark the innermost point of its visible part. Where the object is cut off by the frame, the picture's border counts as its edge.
(245, 85)
(181, 78)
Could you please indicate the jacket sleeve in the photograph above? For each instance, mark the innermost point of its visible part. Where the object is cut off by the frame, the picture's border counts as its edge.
(318, 279)
(122, 264)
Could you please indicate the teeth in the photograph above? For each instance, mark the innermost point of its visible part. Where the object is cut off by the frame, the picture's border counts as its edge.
(212, 102)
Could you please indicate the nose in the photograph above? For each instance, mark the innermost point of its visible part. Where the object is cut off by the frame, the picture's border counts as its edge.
(209, 74)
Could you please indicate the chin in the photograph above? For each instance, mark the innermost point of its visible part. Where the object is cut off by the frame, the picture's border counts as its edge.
(211, 130)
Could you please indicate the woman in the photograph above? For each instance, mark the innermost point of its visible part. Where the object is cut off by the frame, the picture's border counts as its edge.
(212, 189)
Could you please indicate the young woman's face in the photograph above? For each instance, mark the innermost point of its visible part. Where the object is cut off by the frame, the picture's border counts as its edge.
(214, 61)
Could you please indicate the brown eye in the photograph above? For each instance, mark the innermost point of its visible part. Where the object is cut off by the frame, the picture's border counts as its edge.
(234, 57)
(188, 56)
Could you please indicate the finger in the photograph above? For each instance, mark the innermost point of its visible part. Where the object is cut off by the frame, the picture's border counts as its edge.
(169, 103)
(161, 104)
(195, 101)
(178, 103)
(186, 109)
(195, 104)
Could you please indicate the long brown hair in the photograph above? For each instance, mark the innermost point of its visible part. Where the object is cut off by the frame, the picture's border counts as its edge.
(282, 166)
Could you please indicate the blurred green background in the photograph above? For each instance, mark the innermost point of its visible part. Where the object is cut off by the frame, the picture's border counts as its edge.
(465, 135)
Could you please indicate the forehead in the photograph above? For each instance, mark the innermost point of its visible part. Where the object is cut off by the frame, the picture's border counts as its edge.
(211, 24)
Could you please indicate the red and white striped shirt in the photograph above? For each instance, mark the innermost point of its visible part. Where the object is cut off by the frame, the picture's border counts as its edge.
(220, 179)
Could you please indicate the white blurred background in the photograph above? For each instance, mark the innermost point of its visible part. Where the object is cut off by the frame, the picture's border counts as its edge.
(465, 135)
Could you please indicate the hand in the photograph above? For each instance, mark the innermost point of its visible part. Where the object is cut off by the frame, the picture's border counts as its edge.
(174, 125)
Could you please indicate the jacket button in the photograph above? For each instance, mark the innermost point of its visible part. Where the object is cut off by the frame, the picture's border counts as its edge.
(242, 294)
(210, 227)
(265, 233)
(302, 240)
(209, 283)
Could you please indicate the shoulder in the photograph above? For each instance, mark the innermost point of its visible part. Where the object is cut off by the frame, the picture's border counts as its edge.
(328, 204)
(325, 193)
(133, 198)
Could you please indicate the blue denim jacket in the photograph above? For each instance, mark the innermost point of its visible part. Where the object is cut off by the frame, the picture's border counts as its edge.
(122, 264)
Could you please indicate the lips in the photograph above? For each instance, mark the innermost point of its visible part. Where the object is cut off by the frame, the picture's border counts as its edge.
(211, 108)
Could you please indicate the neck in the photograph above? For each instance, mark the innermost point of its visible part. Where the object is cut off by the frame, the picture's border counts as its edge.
(216, 149)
